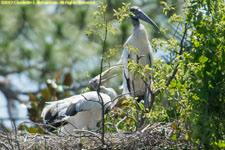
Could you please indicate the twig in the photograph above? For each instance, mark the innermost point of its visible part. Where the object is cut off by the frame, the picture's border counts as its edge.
(143, 130)
(2, 143)
(9, 139)
(116, 126)
(17, 143)
(176, 30)
(87, 131)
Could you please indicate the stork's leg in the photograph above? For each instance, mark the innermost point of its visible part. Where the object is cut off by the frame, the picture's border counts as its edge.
(146, 104)
(133, 87)
(134, 95)
(146, 98)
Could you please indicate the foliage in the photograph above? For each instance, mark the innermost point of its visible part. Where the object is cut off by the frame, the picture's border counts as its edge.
(205, 66)
(189, 83)
(196, 96)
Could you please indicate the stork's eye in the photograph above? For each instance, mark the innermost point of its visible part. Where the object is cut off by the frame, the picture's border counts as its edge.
(132, 9)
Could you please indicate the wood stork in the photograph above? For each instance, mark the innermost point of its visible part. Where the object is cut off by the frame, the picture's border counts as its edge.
(133, 85)
(82, 111)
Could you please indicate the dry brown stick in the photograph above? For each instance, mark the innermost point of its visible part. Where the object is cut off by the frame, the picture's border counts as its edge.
(87, 131)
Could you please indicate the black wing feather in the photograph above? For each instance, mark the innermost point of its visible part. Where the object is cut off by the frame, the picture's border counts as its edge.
(51, 123)
(71, 110)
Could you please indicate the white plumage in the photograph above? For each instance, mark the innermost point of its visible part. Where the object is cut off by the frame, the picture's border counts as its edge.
(133, 85)
(82, 111)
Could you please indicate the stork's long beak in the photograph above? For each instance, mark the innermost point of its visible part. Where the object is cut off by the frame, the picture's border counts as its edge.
(141, 15)
(107, 79)
(105, 73)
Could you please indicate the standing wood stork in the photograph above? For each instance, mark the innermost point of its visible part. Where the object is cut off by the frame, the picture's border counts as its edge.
(133, 85)
(82, 111)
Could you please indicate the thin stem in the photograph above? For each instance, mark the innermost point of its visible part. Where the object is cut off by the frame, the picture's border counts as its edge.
(98, 90)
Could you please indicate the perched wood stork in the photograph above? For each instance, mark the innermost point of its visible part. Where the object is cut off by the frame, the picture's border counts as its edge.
(82, 111)
(133, 85)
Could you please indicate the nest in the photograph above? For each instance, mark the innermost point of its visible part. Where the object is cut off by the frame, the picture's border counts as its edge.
(154, 137)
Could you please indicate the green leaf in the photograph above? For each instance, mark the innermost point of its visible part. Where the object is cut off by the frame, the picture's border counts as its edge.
(87, 89)
(221, 143)
(174, 137)
(186, 136)
(141, 106)
(46, 95)
(32, 130)
(87, 75)
(176, 18)
(203, 59)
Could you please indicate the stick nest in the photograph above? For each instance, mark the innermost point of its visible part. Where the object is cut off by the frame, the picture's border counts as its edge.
(154, 137)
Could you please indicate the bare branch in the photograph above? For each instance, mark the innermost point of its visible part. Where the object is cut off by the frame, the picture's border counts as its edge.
(172, 76)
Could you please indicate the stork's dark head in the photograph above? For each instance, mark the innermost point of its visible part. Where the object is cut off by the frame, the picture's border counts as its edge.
(94, 83)
(139, 14)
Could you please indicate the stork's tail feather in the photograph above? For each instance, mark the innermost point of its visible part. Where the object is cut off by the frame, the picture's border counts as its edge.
(53, 126)
(52, 121)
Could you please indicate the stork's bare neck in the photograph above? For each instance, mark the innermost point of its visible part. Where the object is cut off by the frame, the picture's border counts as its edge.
(135, 21)
(109, 91)
(139, 38)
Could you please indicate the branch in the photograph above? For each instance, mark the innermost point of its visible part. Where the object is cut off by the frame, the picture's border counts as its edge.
(182, 40)
(167, 83)
(176, 67)
(18, 70)
(12, 94)
(172, 76)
